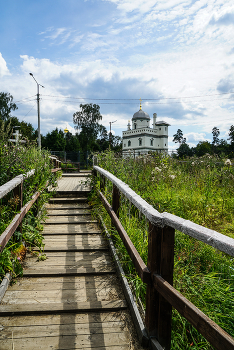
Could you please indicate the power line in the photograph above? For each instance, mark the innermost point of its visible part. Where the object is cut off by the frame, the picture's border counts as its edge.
(137, 99)
(135, 103)
(30, 110)
(26, 98)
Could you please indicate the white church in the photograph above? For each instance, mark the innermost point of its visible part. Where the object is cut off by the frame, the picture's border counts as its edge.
(141, 138)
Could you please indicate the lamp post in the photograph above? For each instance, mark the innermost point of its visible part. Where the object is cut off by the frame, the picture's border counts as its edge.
(38, 112)
(110, 133)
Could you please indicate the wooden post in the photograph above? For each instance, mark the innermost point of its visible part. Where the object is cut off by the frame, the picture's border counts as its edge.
(18, 192)
(102, 184)
(116, 200)
(160, 261)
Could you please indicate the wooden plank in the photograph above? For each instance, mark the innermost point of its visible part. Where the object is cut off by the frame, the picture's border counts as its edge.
(61, 295)
(70, 220)
(71, 229)
(73, 255)
(58, 330)
(68, 271)
(68, 212)
(208, 328)
(25, 309)
(70, 283)
(139, 264)
(73, 248)
(65, 318)
(84, 258)
(66, 342)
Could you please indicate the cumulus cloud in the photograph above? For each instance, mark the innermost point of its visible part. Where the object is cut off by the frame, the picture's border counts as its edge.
(195, 137)
(3, 67)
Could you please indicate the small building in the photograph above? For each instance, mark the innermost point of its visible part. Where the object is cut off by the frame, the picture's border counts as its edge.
(141, 138)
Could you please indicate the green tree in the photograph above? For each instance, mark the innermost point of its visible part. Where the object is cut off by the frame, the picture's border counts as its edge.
(6, 105)
(215, 133)
(202, 148)
(184, 151)
(231, 134)
(87, 120)
(179, 137)
(54, 140)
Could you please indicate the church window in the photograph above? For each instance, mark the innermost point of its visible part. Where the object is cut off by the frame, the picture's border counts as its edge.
(129, 143)
(135, 126)
(165, 128)
(151, 142)
(124, 144)
(159, 128)
(140, 142)
(165, 144)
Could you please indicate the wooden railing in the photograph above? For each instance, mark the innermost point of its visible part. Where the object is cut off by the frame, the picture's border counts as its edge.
(16, 185)
(158, 274)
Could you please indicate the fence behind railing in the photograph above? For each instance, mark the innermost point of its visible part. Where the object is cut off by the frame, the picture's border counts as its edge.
(158, 274)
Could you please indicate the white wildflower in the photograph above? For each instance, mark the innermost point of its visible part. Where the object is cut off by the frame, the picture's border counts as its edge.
(157, 169)
(172, 177)
(192, 163)
(228, 162)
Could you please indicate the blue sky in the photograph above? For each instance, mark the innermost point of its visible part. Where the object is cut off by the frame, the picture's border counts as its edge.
(177, 55)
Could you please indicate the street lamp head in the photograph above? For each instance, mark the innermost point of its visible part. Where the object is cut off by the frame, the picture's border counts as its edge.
(31, 74)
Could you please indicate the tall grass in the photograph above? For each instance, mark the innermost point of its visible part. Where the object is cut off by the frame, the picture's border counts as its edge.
(16, 160)
(198, 190)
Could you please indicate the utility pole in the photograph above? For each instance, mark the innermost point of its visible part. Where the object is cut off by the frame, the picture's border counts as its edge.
(110, 133)
(38, 112)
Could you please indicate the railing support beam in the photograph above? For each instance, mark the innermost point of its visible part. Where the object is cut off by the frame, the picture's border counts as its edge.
(160, 261)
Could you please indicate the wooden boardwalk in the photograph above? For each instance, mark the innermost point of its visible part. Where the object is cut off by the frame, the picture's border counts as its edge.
(73, 299)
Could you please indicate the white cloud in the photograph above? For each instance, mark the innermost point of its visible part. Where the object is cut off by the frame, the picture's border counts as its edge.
(3, 67)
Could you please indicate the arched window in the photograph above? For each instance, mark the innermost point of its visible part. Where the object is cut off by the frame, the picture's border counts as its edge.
(129, 143)
(135, 126)
(151, 142)
(140, 142)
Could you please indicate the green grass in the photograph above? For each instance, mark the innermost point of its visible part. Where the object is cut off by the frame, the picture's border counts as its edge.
(200, 190)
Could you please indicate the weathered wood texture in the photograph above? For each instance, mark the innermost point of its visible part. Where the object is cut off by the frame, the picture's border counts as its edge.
(72, 184)
(218, 338)
(139, 264)
(72, 300)
(161, 296)
(160, 261)
(210, 237)
(10, 185)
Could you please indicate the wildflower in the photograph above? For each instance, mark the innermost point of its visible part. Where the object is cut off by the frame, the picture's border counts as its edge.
(228, 162)
(172, 177)
(18, 258)
(157, 169)
(153, 178)
(192, 163)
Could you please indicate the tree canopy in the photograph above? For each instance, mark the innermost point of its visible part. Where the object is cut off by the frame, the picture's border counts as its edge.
(6, 105)
(179, 137)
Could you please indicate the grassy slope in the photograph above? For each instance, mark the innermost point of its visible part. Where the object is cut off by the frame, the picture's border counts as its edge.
(198, 190)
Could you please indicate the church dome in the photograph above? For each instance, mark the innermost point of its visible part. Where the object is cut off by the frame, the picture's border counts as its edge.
(140, 115)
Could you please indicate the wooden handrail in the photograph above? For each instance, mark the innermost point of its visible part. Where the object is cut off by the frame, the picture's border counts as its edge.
(16, 184)
(10, 185)
(210, 237)
(158, 274)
